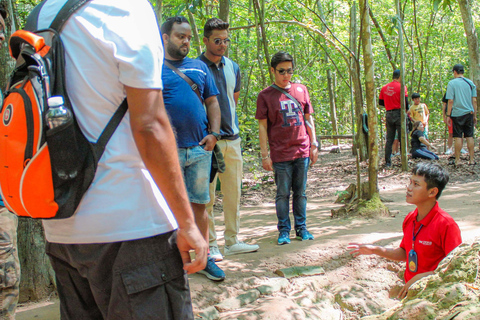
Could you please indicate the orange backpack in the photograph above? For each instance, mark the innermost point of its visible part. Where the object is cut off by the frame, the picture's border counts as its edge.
(44, 172)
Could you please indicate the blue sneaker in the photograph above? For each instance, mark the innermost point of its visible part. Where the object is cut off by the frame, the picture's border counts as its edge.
(284, 237)
(212, 271)
(303, 235)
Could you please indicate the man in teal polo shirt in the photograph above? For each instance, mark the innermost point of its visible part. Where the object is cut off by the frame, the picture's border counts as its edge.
(462, 111)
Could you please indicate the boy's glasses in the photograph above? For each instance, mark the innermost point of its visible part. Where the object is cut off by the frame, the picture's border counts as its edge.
(283, 71)
(220, 41)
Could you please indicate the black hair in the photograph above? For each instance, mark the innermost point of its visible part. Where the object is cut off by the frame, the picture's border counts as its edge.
(458, 68)
(415, 95)
(280, 57)
(435, 175)
(214, 24)
(396, 74)
(168, 24)
(415, 127)
(3, 12)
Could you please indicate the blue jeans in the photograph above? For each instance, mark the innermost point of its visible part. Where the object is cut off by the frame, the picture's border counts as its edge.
(291, 175)
(196, 163)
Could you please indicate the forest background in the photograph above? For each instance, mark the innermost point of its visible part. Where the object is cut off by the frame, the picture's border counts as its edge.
(344, 52)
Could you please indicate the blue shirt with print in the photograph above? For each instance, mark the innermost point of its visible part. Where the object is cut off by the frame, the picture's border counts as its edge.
(187, 113)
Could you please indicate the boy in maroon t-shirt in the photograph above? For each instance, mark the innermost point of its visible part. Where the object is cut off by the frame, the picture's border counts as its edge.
(429, 233)
(285, 121)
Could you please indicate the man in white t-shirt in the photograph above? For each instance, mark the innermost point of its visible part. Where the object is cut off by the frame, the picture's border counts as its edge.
(117, 257)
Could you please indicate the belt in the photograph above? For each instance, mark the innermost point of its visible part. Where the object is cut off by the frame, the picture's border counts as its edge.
(393, 110)
(230, 137)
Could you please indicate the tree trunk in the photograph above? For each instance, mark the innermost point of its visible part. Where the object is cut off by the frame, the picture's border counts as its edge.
(260, 9)
(223, 9)
(6, 62)
(360, 138)
(37, 278)
(159, 11)
(196, 36)
(333, 108)
(370, 95)
(472, 41)
(404, 139)
(259, 46)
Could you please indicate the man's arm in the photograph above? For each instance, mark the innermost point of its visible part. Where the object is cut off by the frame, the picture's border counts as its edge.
(236, 95)
(313, 138)
(213, 115)
(155, 142)
(267, 163)
(474, 104)
(414, 279)
(444, 112)
(449, 111)
(397, 254)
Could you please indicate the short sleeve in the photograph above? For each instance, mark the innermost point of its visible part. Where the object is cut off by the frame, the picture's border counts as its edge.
(308, 109)
(474, 90)
(262, 110)
(449, 94)
(210, 88)
(406, 91)
(238, 82)
(453, 237)
(138, 49)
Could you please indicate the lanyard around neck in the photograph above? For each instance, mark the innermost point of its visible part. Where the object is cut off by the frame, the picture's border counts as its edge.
(415, 234)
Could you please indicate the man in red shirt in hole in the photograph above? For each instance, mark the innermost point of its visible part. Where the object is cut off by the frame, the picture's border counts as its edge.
(429, 233)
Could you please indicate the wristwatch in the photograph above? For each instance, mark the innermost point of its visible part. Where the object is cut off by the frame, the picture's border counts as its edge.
(216, 135)
(315, 144)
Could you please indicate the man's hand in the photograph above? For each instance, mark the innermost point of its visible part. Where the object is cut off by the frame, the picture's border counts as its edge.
(191, 239)
(359, 249)
(267, 164)
(403, 293)
(209, 141)
(313, 155)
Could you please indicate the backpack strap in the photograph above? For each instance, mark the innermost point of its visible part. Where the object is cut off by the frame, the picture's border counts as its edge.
(62, 16)
(67, 10)
(299, 105)
(112, 125)
(182, 75)
(32, 19)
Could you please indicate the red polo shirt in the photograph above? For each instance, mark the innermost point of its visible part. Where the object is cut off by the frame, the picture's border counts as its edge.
(390, 94)
(439, 235)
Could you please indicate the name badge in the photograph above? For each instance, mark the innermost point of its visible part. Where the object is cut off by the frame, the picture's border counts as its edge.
(412, 261)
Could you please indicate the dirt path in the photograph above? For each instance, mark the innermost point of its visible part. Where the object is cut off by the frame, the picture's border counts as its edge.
(350, 288)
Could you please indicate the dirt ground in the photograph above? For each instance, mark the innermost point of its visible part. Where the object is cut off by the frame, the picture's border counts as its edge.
(350, 288)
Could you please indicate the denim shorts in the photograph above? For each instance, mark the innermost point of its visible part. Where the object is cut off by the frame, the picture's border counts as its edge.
(196, 164)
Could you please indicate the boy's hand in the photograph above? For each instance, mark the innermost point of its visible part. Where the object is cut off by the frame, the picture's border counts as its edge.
(359, 249)
(403, 293)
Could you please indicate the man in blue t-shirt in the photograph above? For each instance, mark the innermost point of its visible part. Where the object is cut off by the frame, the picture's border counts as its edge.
(197, 127)
(462, 111)
(228, 80)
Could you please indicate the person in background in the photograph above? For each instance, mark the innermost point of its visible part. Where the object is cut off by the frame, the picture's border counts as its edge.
(419, 112)
(390, 99)
(228, 80)
(197, 127)
(419, 143)
(462, 112)
(284, 114)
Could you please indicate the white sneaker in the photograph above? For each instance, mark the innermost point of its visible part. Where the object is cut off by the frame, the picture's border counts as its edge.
(463, 151)
(449, 151)
(240, 247)
(215, 253)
